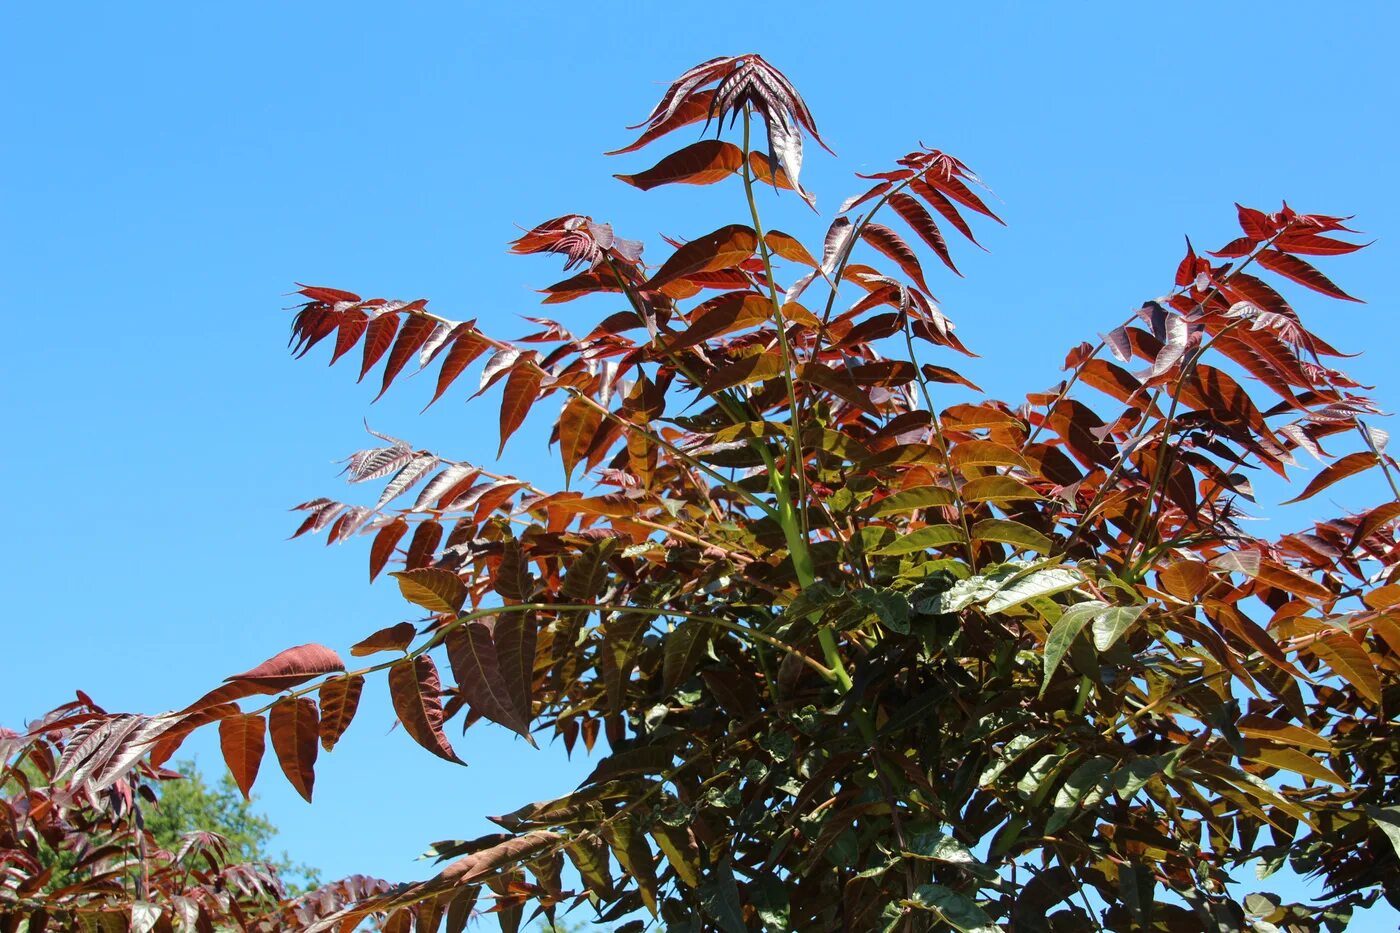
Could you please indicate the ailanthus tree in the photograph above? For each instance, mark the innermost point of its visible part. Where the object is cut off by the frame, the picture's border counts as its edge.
(863, 659)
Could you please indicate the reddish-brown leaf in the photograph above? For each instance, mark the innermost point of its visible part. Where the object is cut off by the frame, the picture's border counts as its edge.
(746, 369)
(945, 207)
(1303, 273)
(892, 245)
(395, 637)
(1310, 244)
(415, 690)
(521, 392)
(722, 315)
(514, 634)
(467, 345)
(578, 425)
(328, 295)
(1254, 223)
(416, 331)
(1335, 472)
(471, 650)
(702, 163)
(789, 248)
(295, 727)
(383, 547)
(1350, 661)
(722, 249)
(433, 588)
(351, 329)
(378, 336)
(423, 544)
(287, 669)
(923, 224)
(340, 697)
(693, 109)
(241, 739)
(838, 383)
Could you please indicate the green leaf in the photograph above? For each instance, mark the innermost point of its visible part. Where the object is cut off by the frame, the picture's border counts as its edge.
(769, 897)
(1084, 788)
(1387, 819)
(924, 539)
(957, 910)
(1013, 533)
(682, 649)
(920, 497)
(889, 606)
(1110, 626)
(1037, 583)
(1070, 624)
(719, 898)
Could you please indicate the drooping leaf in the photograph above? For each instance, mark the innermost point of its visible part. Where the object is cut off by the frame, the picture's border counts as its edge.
(415, 332)
(1335, 472)
(578, 426)
(919, 220)
(383, 547)
(467, 345)
(521, 392)
(294, 726)
(471, 650)
(416, 693)
(1063, 633)
(241, 740)
(1301, 272)
(892, 245)
(378, 336)
(340, 698)
(514, 635)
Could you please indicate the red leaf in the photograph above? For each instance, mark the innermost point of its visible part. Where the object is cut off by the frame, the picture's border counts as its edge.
(1255, 224)
(415, 333)
(289, 668)
(467, 345)
(839, 383)
(340, 697)
(294, 726)
(961, 193)
(1301, 272)
(693, 109)
(1335, 472)
(352, 328)
(383, 547)
(394, 638)
(722, 249)
(241, 739)
(514, 636)
(521, 393)
(423, 544)
(892, 245)
(945, 207)
(328, 295)
(415, 690)
(1310, 244)
(702, 163)
(720, 315)
(378, 336)
(471, 651)
(916, 217)
(578, 425)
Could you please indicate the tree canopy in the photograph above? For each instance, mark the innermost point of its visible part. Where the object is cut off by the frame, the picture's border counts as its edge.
(855, 646)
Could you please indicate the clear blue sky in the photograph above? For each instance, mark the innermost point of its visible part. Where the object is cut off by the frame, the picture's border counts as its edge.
(168, 171)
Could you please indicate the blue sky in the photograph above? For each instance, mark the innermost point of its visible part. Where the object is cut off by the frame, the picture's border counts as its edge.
(168, 172)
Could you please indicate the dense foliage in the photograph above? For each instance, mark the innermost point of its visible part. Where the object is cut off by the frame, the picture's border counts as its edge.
(864, 659)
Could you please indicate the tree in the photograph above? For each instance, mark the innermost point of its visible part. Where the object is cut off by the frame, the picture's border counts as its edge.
(189, 804)
(865, 656)
(108, 842)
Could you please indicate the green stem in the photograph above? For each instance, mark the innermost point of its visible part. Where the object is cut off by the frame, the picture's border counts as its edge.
(797, 463)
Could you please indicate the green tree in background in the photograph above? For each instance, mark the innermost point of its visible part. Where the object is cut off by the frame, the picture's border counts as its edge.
(192, 804)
